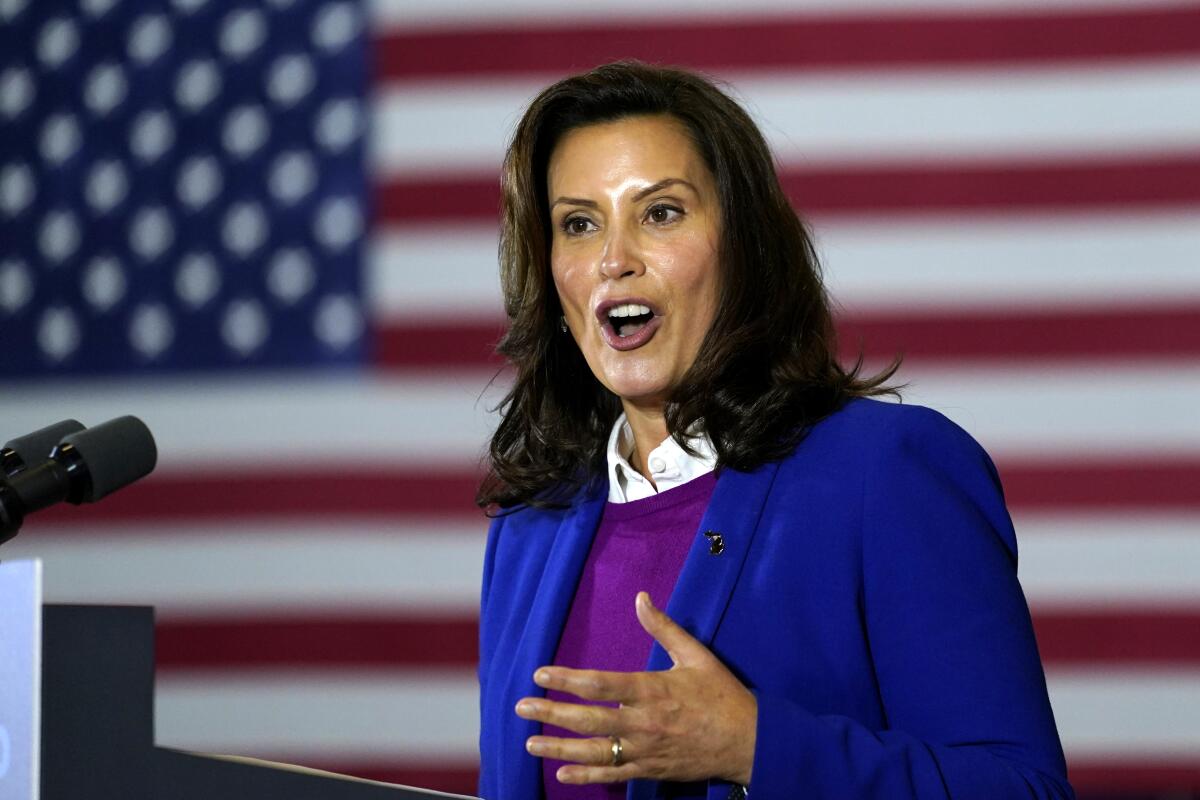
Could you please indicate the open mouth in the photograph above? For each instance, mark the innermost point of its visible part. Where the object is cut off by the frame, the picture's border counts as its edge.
(626, 320)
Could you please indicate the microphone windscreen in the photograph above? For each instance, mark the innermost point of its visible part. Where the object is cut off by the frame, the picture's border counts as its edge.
(34, 448)
(116, 453)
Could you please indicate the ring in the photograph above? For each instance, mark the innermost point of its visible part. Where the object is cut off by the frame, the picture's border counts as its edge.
(616, 751)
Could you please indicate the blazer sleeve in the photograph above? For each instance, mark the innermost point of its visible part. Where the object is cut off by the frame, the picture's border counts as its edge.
(486, 646)
(951, 641)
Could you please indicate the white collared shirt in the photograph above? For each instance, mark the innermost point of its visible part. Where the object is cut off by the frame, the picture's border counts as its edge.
(669, 464)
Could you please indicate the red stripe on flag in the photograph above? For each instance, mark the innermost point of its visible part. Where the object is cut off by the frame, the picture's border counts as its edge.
(247, 493)
(299, 641)
(439, 199)
(1165, 483)
(1026, 334)
(1050, 186)
(1095, 638)
(1123, 775)
(1038, 334)
(459, 778)
(795, 42)
(1147, 775)
(908, 189)
(410, 640)
(344, 492)
(438, 344)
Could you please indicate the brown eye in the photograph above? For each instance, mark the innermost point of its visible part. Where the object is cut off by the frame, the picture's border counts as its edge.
(661, 214)
(576, 226)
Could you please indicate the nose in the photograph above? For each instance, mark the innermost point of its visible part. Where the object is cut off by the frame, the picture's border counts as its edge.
(621, 257)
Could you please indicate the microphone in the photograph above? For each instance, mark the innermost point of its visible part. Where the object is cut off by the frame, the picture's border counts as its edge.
(82, 468)
(34, 447)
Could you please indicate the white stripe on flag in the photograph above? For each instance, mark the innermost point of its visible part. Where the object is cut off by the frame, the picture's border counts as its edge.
(1112, 560)
(299, 419)
(397, 715)
(1100, 713)
(1125, 713)
(418, 14)
(276, 567)
(949, 263)
(845, 117)
(433, 270)
(1056, 411)
(1045, 411)
(1084, 560)
(1012, 262)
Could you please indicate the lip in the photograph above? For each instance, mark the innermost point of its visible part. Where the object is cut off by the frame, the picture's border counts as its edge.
(634, 340)
(603, 307)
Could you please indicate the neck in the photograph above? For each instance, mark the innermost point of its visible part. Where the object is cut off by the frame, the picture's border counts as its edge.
(649, 428)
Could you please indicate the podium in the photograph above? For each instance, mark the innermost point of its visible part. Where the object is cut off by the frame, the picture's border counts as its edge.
(84, 675)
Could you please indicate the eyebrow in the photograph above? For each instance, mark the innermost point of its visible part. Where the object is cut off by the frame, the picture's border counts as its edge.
(664, 183)
(641, 195)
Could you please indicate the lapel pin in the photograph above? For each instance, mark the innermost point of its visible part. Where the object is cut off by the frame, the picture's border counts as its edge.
(716, 543)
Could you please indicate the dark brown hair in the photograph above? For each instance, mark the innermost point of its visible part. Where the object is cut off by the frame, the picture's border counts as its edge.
(768, 368)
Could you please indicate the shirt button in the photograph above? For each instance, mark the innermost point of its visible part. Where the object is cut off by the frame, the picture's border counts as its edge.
(657, 464)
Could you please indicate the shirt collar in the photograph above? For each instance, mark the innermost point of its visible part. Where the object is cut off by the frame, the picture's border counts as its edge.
(670, 465)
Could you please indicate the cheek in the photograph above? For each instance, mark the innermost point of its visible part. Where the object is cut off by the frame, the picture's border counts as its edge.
(695, 275)
(566, 283)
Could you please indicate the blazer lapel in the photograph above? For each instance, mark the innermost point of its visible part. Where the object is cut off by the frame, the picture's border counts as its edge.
(706, 582)
(564, 564)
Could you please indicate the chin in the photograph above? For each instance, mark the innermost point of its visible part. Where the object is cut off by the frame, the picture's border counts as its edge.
(639, 392)
(635, 378)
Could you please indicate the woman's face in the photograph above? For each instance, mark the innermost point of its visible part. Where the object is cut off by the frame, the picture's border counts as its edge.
(636, 230)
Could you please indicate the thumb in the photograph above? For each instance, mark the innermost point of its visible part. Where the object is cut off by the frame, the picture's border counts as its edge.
(680, 645)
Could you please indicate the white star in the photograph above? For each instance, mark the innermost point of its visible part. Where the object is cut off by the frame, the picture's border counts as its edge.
(16, 286)
(198, 84)
(338, 321)
(149, 37)
(335, 26)
(106, 185)
(291, 77)
(58, 41)
(242, 32)
(103, 283)
(58, 332)
(339, 222)
(198, 279)
(105, 88)
(245, 326)
(16, 188)
(151, 330)
(291, 275)
(16, 92)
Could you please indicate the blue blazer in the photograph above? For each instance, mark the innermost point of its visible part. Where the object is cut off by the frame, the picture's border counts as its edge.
(867, 594)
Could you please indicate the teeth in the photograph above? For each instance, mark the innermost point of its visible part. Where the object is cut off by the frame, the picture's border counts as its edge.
(628, 310)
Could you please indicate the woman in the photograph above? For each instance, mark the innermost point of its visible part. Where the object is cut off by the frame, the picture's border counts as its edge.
(842, 614)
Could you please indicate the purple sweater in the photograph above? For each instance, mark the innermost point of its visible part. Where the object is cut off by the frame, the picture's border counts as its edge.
(640, 545)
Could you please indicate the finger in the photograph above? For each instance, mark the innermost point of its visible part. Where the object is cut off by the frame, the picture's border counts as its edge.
(680, 645)
(596, 751)
(589, 720)
(579, 774)
(592, 684)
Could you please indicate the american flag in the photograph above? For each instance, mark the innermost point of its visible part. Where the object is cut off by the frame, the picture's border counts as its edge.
(269, 230)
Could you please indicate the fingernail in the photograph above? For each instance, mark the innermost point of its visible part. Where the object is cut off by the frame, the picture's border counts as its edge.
(541, 677)
(533, 747)
(525, 708)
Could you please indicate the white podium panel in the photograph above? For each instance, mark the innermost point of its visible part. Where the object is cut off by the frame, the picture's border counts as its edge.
(20, 678)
